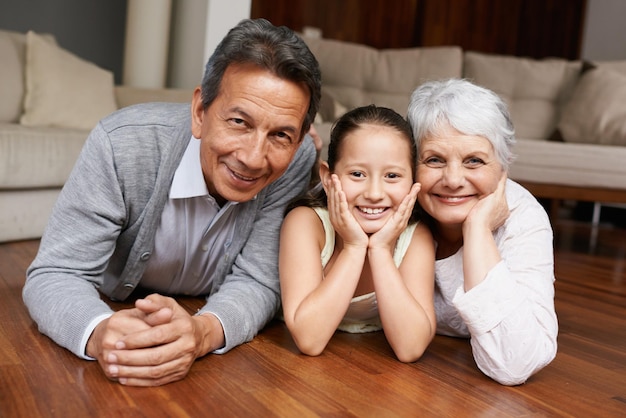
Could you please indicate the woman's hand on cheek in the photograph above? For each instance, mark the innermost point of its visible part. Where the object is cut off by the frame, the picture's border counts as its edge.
(342, 219)
(492, 210)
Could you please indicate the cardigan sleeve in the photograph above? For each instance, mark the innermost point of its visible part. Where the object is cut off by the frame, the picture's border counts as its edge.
(61, 285)
(249, 296)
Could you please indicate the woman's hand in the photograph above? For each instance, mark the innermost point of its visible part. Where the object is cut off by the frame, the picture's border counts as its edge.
(492, 210)
(480, 252)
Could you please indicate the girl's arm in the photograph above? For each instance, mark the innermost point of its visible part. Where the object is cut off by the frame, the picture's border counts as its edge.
(314, 301)
(405, 294)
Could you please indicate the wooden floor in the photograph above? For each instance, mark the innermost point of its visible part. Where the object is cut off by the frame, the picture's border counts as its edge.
(357, 376)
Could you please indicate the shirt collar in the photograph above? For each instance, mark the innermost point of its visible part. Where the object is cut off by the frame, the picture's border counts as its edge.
(188, 178)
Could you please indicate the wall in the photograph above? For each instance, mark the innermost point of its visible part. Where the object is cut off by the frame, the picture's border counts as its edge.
(197, 28)
(186, 43)
(93, 30)
(533, 28)
(604, 36)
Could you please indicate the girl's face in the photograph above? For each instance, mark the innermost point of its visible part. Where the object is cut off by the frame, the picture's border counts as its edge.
(375, 170)
(455, 171)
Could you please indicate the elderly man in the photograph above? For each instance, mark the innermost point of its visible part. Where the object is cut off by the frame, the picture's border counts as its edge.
(181, 202)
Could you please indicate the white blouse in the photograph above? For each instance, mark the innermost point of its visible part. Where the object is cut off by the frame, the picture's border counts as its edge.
(510, 316)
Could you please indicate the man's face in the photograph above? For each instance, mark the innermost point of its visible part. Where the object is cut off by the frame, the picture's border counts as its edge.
(250, 132)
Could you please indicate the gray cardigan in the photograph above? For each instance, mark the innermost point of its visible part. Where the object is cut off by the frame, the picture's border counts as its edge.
(101, 231)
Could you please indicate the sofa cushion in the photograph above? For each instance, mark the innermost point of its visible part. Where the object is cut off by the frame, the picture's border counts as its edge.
(62, 89)
(330, 108)
(618, 66)
(24, 213)
(596, 112)
(130, 95)
(358, 75)
(13, 53)
(561, 163)
(37, 157)
(11, 76)
(534, 90)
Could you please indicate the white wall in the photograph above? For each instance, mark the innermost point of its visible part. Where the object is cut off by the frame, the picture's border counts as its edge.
(604, 37)
(221, 16)
(145, 49)
(186, 58)
(197, 27)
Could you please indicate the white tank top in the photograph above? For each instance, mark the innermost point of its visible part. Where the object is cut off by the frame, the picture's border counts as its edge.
(362, 315)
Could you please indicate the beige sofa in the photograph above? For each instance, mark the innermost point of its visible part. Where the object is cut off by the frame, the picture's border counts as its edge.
(50, 101)
(570, 124)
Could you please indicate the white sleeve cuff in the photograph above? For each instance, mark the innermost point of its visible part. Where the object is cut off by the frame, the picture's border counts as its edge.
(223, 349)
(88, 331)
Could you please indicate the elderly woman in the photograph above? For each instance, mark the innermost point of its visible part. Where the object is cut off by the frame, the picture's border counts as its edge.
(494, 268)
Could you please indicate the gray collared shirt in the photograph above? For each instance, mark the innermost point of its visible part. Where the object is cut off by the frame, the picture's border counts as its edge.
(193, 235)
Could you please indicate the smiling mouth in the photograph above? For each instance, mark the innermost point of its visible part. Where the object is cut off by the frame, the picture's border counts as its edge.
(453, 199)
(241, 177)
(372, 211)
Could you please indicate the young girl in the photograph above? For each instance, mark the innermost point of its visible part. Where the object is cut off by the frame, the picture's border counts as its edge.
(377, 262)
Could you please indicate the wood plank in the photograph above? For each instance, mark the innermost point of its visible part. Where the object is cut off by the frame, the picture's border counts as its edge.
(585, 194)
(357, 375)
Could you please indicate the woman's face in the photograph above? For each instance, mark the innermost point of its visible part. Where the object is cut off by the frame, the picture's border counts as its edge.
(375, 173)
(455, 171)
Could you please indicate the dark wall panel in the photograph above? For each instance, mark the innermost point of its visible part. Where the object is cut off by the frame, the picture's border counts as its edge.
(533, 28)
(93, 30)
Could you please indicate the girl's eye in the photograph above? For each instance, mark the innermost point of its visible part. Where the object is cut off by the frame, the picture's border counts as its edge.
(393, 176)
(357, 174)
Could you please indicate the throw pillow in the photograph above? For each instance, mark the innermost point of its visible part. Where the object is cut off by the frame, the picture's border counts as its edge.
(557, 136)
(596, 112)
(11, 78)
(62, 89)
(330, 109)
(533, 89)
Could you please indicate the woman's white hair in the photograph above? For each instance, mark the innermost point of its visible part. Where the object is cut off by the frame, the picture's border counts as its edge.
(466, 107)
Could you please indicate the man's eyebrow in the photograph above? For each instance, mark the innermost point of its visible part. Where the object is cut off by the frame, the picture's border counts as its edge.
(288, 128)
(293, 130)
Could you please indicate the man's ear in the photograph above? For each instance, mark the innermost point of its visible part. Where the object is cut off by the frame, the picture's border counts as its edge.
(197, 113)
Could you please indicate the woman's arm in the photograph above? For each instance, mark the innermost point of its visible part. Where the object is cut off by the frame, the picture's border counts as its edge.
(510, 313)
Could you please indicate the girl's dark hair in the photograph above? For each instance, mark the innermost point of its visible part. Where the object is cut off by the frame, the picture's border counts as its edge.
(346, 124)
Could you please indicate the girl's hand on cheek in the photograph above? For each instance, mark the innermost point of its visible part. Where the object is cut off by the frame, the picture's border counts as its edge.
(389, 233)
(342, 219)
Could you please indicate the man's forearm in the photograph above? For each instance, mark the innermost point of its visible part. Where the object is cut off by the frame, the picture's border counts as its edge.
(209, 334)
